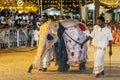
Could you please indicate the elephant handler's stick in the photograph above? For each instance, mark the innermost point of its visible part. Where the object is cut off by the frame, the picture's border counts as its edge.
(109, 65)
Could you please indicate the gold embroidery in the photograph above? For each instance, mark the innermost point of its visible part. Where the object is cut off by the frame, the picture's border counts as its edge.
(100, 48)
(98, 68)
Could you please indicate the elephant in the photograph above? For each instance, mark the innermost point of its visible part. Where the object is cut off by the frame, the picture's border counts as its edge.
(65, 36)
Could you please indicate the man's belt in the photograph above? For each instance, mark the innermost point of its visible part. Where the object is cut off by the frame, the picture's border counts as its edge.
(100, 48)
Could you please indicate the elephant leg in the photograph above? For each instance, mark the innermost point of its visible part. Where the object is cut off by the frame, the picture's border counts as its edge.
(63, 67)
(82, 66)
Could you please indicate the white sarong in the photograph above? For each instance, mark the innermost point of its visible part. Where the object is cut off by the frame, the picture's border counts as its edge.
(99, 60)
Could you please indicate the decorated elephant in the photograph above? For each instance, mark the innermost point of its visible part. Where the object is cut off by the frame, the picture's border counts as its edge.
(64, 37)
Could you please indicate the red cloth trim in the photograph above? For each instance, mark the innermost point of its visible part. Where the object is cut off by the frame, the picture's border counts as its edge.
(82, 26)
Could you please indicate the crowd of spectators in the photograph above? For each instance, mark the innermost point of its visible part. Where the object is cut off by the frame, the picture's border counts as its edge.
(19, 29)
(17, 25)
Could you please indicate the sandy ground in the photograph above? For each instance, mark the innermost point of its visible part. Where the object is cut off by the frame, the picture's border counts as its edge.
(14, 63)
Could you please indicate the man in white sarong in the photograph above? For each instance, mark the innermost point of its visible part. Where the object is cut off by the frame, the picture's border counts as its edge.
(74, 32)
(48, 36)
(101, 35)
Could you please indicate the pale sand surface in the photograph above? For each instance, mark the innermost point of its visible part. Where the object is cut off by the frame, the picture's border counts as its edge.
(14, 63)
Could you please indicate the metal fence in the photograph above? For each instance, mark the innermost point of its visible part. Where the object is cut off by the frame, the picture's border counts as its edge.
(15, 38)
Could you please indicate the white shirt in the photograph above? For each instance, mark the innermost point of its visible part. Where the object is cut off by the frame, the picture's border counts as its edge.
(31, 17)
(101, 36)
(38, 24)
(27, 18)
(2, 18)
(23, 17)
(35, 35)
(16, 17)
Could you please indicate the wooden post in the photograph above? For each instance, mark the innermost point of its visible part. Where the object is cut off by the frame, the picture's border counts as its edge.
(41, 8)
(61, 8)
(113, 16)
(97, 7)
(12, 14)
(18, 44)
(80, 11)
(2, 4)
(86, 18)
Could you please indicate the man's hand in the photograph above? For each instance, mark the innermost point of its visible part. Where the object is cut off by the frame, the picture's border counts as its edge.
(110, 53)
(82, 44)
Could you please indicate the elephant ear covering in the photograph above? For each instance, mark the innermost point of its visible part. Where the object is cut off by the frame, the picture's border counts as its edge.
(49, 37)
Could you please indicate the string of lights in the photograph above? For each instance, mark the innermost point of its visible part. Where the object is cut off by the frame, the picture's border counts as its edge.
(68, 5)
(110, 3)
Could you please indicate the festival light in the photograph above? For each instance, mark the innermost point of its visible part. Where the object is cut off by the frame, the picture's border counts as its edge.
(110, 2)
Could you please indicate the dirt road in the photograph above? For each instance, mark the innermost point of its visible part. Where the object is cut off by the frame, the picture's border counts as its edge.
(14, 63)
